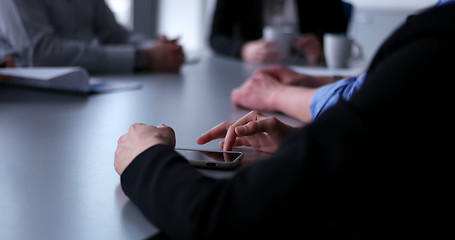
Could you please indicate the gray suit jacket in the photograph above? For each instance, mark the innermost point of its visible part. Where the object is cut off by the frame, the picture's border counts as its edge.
(68, 33)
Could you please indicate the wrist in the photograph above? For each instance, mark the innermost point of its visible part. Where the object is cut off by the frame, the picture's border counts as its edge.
(275, 98)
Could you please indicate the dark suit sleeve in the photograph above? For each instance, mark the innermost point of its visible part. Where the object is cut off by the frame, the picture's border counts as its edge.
(320, 17)
(184, 204)
(225, 36)
(236, 22)
(369, 166)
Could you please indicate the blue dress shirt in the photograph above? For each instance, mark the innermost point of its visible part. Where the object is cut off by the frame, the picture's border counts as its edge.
(328, 95)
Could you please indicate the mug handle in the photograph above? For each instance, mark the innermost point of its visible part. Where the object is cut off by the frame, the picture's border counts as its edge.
(356, 48)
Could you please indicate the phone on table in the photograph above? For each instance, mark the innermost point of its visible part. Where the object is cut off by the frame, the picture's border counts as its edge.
(211, 159)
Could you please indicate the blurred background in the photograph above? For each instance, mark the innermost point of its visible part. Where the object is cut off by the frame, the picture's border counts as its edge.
(372, 20)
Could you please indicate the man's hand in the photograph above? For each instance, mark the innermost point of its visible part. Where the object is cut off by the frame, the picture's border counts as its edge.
(139, 138)
(310, 46)
(259, 51)
(166, 55)
(257, 93)
(284, 74)
(254, 129)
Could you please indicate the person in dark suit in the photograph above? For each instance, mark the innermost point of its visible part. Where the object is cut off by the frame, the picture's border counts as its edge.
(237, 27)
(374, 166)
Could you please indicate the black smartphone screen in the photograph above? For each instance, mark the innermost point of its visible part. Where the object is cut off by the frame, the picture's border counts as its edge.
(215, 156)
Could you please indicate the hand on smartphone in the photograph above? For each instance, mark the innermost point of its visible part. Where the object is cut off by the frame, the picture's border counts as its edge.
(211, 159)
(254, 129)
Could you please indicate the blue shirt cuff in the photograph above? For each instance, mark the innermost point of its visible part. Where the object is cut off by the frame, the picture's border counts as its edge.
(326, 96)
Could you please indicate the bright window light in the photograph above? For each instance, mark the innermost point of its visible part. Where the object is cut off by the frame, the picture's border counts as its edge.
(123, 11)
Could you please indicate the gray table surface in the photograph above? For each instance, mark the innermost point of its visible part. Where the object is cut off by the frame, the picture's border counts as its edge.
(57, 179)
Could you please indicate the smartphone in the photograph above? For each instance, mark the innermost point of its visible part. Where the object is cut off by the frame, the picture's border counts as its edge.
(211, 159)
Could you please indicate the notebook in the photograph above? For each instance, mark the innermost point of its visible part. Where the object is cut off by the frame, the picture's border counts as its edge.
(68, 79)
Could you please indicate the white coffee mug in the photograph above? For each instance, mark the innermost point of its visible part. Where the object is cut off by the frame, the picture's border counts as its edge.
(340, 49)
(282, 35)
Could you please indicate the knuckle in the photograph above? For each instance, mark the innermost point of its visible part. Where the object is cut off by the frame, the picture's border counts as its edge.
(254, 112)
(135, 125)
(231, 128)
(254, 125)
(121, 139)
(225, 124)
(170, 130)
(273, 121)
(117, 152)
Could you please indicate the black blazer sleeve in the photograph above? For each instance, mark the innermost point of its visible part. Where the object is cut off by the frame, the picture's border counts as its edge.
(321, 17)
(372, 167)
(234, 23)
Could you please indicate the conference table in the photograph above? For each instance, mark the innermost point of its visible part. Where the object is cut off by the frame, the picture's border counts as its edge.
(57, 179)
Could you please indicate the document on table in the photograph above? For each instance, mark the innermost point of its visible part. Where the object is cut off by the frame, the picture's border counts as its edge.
(323, 71)
(70, 79)
(354, 70)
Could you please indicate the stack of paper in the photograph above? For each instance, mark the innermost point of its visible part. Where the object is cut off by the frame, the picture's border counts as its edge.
(70, 79)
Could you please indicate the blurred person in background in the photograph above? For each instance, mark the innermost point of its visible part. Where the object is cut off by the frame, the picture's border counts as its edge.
(82, 33)
(237, 27)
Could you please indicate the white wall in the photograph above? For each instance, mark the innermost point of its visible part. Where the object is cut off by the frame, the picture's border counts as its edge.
(184, 19)
(375, 20)
(122, 11)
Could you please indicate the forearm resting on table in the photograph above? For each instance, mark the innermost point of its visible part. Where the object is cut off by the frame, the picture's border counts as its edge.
(294, 102)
